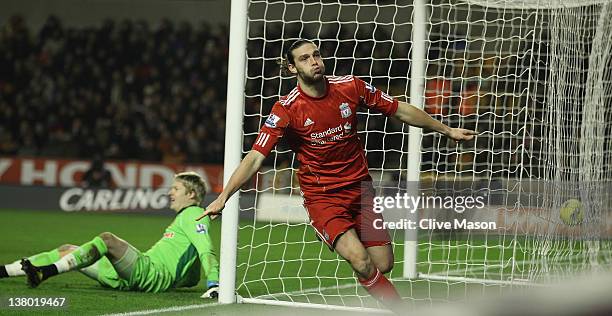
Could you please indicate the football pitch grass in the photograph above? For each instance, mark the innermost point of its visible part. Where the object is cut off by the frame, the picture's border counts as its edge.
(29, 232)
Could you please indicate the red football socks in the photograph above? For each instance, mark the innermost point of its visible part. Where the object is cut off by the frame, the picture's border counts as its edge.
(380, 287)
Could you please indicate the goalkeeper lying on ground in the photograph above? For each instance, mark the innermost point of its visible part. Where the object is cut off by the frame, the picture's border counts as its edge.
(174, 261)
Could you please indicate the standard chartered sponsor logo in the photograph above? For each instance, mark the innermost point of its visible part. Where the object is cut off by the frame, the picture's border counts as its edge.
(327, 132)
(331, 134)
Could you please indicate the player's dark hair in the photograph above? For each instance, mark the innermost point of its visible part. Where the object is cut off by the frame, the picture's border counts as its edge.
(288, 57)
(193, 182)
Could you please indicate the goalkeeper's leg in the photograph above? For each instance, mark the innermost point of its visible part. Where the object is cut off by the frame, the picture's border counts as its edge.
(106, 244)
(371, 278)
(47, 258)
(41, 259)
(95, 271)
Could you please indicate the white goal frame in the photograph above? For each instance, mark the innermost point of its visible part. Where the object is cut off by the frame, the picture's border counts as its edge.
(233, 147)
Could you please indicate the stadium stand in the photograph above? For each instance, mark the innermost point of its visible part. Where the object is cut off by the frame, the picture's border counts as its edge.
(125, 90)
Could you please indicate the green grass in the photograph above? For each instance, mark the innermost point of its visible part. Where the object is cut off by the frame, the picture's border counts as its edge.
(29, 232)
(281, 259)
(285, 257)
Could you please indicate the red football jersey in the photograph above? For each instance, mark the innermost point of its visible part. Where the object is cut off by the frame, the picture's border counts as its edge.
(322, 131)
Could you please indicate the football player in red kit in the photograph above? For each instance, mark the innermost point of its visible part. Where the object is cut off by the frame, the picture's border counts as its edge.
(318, 119)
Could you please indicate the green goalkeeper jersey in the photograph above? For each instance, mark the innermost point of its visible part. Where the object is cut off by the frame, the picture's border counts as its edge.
(174, 261)
(186, 247)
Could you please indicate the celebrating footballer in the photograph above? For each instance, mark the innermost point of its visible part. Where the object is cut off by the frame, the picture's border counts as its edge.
(318, 120)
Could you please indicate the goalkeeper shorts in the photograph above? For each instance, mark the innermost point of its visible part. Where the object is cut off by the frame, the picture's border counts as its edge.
(150, 276)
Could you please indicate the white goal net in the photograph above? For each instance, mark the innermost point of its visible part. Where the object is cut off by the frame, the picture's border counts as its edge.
(532, 77)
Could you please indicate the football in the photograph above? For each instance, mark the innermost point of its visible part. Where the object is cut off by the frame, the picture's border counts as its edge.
(571, 212)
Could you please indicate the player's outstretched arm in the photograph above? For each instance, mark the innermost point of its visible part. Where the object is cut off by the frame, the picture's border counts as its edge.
(412, 115)
(248, 166)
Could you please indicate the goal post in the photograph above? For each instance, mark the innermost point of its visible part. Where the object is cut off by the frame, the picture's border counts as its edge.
(233, 148)
(533, 77)
(417, 85)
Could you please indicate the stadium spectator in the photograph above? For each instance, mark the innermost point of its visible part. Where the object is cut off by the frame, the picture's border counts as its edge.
(318, 118)
(174, 261)
(438, 91)
(437, 95)
(97, 176)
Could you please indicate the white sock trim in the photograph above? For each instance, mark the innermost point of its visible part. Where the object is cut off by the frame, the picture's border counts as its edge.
(66, 263)
(14, 269)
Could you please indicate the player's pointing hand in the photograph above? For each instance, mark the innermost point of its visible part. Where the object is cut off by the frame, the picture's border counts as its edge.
(213, 209)
(461, 134)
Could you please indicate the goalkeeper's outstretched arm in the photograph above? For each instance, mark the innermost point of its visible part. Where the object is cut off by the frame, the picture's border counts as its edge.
(248, 166)
(412, 115)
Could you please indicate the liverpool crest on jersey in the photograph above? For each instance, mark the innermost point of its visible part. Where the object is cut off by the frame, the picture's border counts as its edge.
(345, 110)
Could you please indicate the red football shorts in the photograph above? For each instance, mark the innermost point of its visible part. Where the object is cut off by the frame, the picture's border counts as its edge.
(336, 211)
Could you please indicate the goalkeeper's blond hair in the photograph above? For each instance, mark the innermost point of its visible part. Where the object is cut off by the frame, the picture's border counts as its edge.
(193, 182)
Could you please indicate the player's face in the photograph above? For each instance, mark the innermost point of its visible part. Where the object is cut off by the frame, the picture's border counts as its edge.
(308, 64)
(179, 197)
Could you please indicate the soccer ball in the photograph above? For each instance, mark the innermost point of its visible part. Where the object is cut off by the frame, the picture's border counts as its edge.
(571, 212)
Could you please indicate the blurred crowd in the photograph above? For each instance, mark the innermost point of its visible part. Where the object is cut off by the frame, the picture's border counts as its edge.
(123, 90)
(130, 90)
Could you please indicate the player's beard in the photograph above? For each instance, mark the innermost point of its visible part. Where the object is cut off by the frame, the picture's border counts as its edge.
(313, 78)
